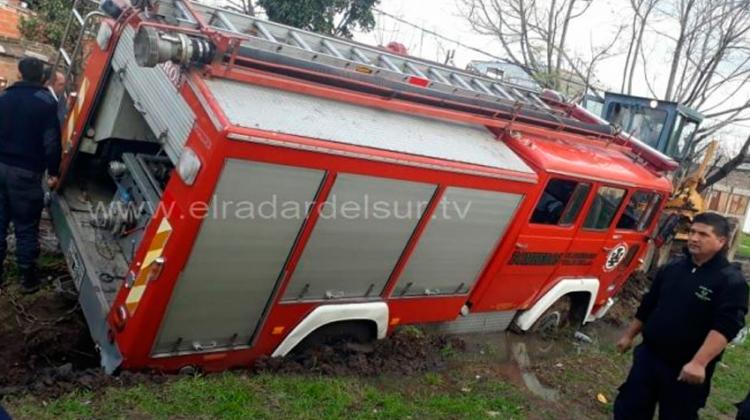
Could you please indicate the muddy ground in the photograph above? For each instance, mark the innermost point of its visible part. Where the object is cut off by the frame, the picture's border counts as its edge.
(407, 352)
(628, 300)
(47, 350)
(45, 343)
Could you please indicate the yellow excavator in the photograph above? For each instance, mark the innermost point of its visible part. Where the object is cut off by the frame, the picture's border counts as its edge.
(686, 202)
(670, 128)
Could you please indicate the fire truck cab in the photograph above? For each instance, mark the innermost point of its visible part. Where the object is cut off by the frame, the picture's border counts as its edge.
(233, 187)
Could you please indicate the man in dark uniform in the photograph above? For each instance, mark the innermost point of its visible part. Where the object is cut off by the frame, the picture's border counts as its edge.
(29, 145)
(695, 306)
(56, 86)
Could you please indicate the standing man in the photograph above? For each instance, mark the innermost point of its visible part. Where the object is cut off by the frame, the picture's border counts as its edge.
(56, 86)
(695, 306)
(29, 145)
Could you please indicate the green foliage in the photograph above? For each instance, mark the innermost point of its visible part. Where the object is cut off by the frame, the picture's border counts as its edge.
(743, 249)
(411, 331)
(332, 17)
(730, 382)
(48, 25)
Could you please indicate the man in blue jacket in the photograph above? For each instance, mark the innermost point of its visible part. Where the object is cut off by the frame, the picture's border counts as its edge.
(29, 146)
(696, 305)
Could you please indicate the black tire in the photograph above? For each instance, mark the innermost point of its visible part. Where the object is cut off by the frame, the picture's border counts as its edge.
(354, 331)
(557, 318)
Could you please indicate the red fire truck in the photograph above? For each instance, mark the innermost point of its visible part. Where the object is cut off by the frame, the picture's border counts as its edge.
(233, 187)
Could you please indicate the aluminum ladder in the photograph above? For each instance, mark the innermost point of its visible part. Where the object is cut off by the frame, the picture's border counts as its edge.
(82, 20)
(352, 56)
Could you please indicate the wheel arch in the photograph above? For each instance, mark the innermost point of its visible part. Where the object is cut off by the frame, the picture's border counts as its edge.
(375, 312)
(578, 288)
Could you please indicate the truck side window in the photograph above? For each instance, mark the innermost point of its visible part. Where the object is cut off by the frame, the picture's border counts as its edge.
(639, 203)
(648, 217)
(560, 202)
(604, 208)
(576, 203)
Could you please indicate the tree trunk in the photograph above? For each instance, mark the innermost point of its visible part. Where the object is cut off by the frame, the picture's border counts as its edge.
(561, 45)
(677, 56)
(630, 50)
(638, 42)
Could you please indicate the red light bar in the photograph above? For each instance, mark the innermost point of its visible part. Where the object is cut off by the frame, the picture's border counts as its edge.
(418, 81)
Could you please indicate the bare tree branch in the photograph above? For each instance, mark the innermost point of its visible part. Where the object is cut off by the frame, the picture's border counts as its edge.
(728, 167)
(642, 10)
(534, 34)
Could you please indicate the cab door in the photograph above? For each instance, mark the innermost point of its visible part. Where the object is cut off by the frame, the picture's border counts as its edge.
(540, 246)
(628, 241)
(593, 241)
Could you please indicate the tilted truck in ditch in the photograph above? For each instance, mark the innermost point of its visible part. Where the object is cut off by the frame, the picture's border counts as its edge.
(234, 188)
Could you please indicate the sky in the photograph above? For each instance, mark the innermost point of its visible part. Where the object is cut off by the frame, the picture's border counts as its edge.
(596, 28)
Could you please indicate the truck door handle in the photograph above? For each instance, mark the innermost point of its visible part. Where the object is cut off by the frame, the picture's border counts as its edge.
(520, 245)
(198, 346)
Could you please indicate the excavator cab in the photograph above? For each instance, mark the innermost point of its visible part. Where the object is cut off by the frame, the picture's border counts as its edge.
(668, 127)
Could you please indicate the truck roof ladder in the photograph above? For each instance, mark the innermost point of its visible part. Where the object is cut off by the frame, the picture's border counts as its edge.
(265, 41)
(340, 62)
(82, 14)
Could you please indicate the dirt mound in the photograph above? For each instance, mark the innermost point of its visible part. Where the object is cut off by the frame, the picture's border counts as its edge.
(46, 348)
(406, 352)
(44, 336)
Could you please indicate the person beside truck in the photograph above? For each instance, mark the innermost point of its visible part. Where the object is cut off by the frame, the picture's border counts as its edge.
(696, 305)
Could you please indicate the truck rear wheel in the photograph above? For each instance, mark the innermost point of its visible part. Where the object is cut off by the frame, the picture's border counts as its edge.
(336, 332)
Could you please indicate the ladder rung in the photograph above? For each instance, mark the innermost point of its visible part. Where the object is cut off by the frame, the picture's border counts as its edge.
(415, 70)
(390, 64)
(361, 56)
(439, 76)
(298, 39)
(499, 89)
(65, 56)
(186, 16)
(223, 18)
(478, 83)
(332, 48)
(78, 17)
(517, 94)
(461, 81)
(538, 101)
(263, 30)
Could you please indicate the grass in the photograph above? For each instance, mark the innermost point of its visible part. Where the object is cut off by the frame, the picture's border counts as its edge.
(601, 369)
(238, 396)
(448, 394)
(473, 387)
(731, 382)
(743, 250)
